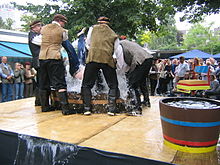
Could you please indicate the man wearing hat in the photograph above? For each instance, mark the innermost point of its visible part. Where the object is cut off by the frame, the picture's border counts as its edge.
(51, 63)
(101, 43)
(34, 41)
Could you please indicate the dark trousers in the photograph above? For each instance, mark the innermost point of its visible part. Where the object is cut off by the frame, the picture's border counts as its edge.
(162, 86)
(153, 85)
(52, 73)
(138, 76)
(137, 81)
(90, 76)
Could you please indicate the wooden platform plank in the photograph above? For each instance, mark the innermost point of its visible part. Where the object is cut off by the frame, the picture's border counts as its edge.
(139, 136)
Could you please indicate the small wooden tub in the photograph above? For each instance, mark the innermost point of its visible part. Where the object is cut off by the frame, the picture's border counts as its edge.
(190, 130)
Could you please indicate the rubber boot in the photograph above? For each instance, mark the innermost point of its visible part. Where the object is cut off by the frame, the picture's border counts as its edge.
(112, 96)
(37, 97)
(135, 103)
(54, 100)
(138, 102)
(87, 96)
(112, 106)
(65, 106)
(144, 91)
(44, 99)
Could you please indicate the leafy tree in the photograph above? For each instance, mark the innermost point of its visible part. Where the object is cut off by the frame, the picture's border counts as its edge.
(2, 23)
(165, 39)
(128, 17)
(7, 24)
(195, 10)
(202, 38)
(27, 19)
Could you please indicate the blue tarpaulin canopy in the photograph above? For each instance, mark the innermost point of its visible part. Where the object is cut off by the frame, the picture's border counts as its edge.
(12, 49)
(217, 55)
(193, 54)
(18, 50)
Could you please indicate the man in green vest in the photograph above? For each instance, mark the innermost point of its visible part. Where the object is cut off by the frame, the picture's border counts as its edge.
(51, 64)
(101, 42)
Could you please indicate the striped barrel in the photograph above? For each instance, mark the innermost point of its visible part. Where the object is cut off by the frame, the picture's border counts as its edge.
(193, 85)
(190, 130)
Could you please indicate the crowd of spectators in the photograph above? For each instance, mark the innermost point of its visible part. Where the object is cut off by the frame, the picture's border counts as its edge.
(165, 74)
(16, 83)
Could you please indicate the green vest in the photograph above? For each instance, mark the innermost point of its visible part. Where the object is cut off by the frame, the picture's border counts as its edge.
(102, 45)
(52, 38)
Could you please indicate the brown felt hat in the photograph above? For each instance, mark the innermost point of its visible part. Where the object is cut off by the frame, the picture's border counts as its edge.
(103, 20)
(60, 17)
(35, 23)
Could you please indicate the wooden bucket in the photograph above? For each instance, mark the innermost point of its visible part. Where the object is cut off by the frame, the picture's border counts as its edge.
(190, 130)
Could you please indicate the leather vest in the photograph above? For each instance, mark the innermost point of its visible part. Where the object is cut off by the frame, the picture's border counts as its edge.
(6, 72)
(102, 45)
(52, 37)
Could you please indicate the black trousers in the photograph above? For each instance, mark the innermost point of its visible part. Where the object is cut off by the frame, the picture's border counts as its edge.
(153, 85)
(90, 76)
(137, 82)
(52, 73)
(138, 76)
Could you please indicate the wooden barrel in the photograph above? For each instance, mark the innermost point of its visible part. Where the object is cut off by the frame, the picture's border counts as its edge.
(190, 130)
(98, 102)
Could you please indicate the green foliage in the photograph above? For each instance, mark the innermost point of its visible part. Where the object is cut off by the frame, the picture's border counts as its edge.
(7, 24)
(202, 38)
(27, 19)
(128, 17)
(194, 10)
(164, 39)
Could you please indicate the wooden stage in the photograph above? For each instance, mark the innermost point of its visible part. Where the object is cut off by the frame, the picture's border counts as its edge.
(138, 136)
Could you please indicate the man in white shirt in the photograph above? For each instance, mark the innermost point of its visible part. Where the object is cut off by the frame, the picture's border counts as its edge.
(181, 70)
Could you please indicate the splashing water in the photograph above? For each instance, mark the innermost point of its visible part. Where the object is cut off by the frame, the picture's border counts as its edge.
(33, 150)
(74, 85)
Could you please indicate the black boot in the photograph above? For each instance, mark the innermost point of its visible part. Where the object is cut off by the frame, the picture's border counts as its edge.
(145, 92)
(112, 96)
(135, 103)
(87, 96)
(54, 100)
(65, 106)
(111, 106)
(44, 99)
(37, 97)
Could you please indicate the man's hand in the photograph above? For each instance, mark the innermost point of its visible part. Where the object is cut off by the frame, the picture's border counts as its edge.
(9, 77)
(79, 74)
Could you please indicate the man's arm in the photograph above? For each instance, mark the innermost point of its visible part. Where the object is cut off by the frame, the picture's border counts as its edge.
(37, 40)
(88, 38)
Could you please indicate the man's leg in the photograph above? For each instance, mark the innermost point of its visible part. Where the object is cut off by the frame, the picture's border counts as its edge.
(112, 81)
(56, 72)
(10, 92)
(4, 92)
(90, 76)
(44, 85)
